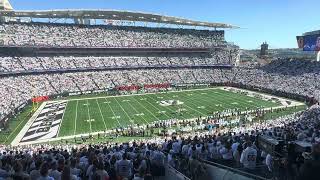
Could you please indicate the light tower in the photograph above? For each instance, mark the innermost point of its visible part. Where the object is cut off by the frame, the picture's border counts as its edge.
(264, 49)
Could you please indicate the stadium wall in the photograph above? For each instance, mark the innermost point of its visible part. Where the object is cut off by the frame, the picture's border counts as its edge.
(173, 67)
(51, 51)
(220, 172)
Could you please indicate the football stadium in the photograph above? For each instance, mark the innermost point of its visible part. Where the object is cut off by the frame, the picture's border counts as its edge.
(103, 94)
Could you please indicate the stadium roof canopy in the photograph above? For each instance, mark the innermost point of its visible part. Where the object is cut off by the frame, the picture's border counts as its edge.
(311, 33)
(5, 5)
(111, 15)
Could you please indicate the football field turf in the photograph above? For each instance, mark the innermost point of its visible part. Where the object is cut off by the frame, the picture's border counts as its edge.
(98, 114)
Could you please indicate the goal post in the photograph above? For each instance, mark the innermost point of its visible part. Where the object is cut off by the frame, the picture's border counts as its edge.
(35, 106)
(37, 100)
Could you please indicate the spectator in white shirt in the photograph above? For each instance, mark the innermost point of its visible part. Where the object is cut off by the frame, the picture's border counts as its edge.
(249, 156)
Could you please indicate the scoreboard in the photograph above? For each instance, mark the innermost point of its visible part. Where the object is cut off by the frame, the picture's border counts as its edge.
(309, 42)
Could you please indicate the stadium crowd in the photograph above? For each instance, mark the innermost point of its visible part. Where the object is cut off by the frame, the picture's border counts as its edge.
(288, 75)
(22, 64)
(237, 146)
(297, 79)
(145, 159)
(62, 35)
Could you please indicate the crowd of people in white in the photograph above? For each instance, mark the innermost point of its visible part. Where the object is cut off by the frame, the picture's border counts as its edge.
(303, 81)
(144, 159)
(62, 35)
(285, 75)
(21, 64)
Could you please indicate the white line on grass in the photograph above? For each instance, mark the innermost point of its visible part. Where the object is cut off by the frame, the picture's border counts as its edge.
(15, 129)
(124, 111)
(113, 113)
(62, 118)
(194, 109)
(158, 108)
(146, 109)
(191, 109)
(101, 114)
(89, 116)
(145, 94)
(223, 104)
(79, 135)
(239, 104)
(214, 99)
(238, 100)
(75, 119)
(26, 127)
(137, 112)
(13, 132)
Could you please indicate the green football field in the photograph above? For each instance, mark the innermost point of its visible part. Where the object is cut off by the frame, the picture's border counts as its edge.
(98, 114)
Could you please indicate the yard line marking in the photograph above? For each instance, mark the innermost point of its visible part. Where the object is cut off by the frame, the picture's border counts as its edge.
(65, 108)
(125, 112)
(193, 108)
(146, 109)
(75, 119)
(157, 108)
(187, 112)
(101, 115)
(113, 113)
(95, 133)
(89, 116)
(171, 92)
(216, 100)
(173, 110)
(239, 101)
(138, 112)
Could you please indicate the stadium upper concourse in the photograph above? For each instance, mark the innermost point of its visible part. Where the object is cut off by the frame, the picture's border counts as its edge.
(84, 83)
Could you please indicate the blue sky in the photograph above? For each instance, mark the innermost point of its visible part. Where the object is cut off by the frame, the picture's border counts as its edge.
(274, 21)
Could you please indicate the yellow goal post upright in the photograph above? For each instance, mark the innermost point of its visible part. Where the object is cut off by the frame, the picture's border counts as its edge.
(35, 105)
(36, 101)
